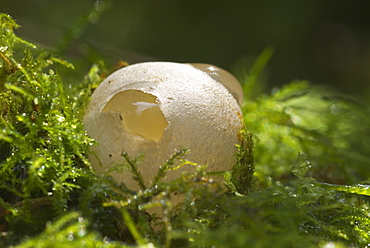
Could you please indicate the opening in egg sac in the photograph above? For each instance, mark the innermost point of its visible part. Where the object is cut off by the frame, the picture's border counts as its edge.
(139, 113)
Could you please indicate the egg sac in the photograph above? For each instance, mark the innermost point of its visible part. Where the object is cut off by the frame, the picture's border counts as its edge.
(157, 109)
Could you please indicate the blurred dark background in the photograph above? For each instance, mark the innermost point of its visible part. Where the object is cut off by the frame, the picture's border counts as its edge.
(327, 42)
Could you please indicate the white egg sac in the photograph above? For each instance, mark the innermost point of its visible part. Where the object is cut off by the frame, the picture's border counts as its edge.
(159, 108)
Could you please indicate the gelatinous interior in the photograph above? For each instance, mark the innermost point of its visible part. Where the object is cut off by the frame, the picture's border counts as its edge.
(224, 77)
(139, 113)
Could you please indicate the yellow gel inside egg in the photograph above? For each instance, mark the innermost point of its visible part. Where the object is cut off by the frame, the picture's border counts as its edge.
(139, 113)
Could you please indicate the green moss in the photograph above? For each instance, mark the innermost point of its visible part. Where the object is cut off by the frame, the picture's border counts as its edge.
(42, 142)
(300, 178)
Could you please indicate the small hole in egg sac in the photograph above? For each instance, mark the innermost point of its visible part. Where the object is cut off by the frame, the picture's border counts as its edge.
(225, 78)
(139, 112)
(110, 155)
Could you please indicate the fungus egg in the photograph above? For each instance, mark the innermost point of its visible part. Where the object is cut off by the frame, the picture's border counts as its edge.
(159, 108)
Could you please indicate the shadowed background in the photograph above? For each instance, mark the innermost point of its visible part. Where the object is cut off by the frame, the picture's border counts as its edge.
(327, 42)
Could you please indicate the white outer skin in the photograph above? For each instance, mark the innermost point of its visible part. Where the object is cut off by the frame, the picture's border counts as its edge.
(201, 113)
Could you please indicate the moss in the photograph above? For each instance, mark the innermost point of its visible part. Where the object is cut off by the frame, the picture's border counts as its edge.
(42, 142)
(300, 178)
